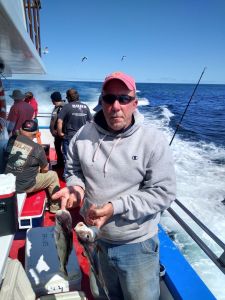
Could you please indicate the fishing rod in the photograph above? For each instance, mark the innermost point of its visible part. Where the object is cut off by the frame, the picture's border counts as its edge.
(178, 125)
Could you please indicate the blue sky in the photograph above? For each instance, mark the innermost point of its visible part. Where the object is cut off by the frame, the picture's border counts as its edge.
(163, 40)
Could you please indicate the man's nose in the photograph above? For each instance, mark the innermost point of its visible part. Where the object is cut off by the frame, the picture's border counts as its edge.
(116, 105)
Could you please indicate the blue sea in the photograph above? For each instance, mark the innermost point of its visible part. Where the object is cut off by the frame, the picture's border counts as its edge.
(198, 150)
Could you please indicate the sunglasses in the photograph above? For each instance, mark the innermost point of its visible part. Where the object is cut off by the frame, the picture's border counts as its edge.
(111, 98)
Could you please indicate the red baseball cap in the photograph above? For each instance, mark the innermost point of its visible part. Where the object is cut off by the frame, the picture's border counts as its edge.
(126, 79)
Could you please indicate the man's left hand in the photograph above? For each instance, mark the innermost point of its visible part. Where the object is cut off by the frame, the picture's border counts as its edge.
(98, 216)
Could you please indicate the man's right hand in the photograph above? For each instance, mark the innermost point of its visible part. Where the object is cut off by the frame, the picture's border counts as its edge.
(71, 196)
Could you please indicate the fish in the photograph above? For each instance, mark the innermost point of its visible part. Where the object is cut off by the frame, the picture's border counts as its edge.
(86, 234)
(63, 236)
(87, 237)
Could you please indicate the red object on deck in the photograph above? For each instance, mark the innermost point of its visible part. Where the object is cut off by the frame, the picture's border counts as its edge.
(32, 214)
(34, 204)
(52, 155)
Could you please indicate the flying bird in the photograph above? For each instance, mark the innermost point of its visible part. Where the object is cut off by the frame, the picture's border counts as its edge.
(45, 51)
(84, 58)
(123, 57)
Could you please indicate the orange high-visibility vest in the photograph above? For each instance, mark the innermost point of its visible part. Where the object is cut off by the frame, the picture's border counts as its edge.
(38, 137)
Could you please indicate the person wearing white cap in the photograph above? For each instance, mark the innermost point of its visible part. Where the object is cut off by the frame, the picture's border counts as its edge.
(120, 172)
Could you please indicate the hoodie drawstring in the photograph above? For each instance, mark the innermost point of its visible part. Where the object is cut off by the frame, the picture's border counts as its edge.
(97, 150)
(98, 147)
(106, 163)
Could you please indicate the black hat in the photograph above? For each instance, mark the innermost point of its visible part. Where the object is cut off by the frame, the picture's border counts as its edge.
(17, 95)
(29, 95)
(56, 96)
(30, 126)
(98, 107)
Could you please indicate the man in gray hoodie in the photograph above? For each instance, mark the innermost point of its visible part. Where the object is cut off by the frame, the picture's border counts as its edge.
(120, 172)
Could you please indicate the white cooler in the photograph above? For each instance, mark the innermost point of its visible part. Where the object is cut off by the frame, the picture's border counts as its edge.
(42, 264)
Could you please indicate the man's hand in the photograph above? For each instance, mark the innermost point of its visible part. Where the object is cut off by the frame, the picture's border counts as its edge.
(60, 128)
(71, 196)
(98, 216)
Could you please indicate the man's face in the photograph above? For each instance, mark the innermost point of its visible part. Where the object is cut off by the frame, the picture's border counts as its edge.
(118, 116)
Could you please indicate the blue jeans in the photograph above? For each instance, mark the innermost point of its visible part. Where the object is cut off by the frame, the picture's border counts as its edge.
(65, 146)
(130, 271)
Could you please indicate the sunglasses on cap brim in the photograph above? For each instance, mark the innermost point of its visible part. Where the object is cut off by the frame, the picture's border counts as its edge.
(123, 99)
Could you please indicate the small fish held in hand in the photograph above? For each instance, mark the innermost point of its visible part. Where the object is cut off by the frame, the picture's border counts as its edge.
(63, 238)
(86, 234)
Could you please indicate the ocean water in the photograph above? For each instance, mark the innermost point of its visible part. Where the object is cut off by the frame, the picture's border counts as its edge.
(198, 150)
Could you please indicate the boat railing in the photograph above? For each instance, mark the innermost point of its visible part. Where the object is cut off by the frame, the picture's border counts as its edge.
(218, 261)
(44, 120)
(44, 115)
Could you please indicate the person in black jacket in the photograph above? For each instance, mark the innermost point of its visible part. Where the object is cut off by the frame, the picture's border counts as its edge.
(71, 118)
(59, 103)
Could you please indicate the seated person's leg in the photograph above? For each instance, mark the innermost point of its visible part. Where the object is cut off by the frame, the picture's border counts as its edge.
(50, 181)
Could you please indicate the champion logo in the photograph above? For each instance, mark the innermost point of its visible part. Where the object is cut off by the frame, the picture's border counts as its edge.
(135, 157)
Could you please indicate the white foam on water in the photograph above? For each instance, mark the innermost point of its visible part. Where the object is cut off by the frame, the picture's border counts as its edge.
(143, 101)
(201, 188)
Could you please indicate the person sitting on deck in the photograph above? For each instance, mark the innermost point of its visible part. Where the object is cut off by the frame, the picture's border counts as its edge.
(120, 172)
(19, 112)
(59, 103)
(28, 162)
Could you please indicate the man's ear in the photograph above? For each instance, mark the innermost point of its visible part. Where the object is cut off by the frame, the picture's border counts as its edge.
(135, 102)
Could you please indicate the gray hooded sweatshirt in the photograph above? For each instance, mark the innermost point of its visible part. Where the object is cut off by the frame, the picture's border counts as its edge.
(132, 169)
